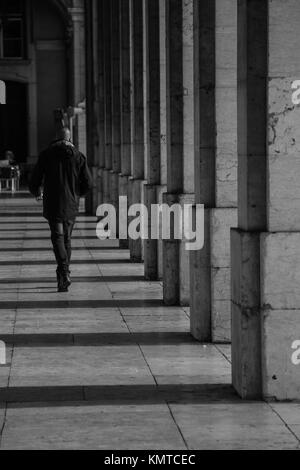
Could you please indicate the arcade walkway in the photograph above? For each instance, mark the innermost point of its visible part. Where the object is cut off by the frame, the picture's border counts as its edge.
(107, 366)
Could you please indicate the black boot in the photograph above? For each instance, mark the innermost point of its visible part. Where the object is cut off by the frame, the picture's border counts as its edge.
(62, 280)
(68, 274)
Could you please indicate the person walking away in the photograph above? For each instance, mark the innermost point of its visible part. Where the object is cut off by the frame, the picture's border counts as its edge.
(60, 178)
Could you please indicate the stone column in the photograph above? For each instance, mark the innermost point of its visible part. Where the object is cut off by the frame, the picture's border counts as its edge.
(125, 102)
(265, 249)
(116, 101)
(108, 100)
(174, 64)
(188, 196)
(101, 102)
(205, 162)
(136, 183)
(78, 53)
(90, 100)
(163, 123)
(245, 242)
(152, 123)
(224, 216)
(280, 246)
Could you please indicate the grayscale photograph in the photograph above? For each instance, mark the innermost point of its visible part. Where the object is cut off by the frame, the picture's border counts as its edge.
(149, 228)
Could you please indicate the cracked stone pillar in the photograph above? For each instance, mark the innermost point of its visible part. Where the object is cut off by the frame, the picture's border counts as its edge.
(174, 67)
(108, 100)
(266, 248)
(152, 123)
(136, 182)
(224, 216)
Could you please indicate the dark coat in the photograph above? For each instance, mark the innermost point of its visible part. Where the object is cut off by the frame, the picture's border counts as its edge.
(63, 172)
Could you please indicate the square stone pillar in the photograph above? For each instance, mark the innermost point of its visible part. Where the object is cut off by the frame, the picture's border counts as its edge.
(163, 123)
(280, 246)
(188, 195)
(116, 85)
(205, 162)
(152, 124)
(101, 102)
(174, 68)
(125, 102)
(108, 97)
(91, 96)
(245, 243)
(136, 183)
(215, 164)
(116, 103)
(265, 250)
(224, 216)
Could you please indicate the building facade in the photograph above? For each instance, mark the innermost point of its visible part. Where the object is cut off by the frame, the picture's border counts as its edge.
(42, 64)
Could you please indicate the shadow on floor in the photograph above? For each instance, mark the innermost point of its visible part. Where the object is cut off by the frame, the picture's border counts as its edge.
(119, 395)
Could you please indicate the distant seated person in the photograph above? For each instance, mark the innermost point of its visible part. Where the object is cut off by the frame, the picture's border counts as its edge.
(10, 157)
(9, 170)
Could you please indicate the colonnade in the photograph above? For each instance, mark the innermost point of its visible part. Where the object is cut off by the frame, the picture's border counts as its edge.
(189, 102)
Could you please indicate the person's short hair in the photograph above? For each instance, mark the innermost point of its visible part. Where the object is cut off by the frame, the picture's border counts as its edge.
(63, 134)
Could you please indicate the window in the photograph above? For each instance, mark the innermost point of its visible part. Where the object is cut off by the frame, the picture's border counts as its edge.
(12, 30)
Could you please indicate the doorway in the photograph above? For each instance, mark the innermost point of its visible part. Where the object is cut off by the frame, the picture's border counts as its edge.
(14, 121)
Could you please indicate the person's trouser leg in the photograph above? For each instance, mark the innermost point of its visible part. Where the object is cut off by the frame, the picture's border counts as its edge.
(58, 242)
(68, 230)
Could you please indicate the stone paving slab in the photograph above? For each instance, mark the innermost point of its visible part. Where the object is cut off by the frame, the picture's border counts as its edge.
(7, 321)
(73, 366)
(69, 321)
(91, 427)
(183, 363)
(233, 427)
(155, 323)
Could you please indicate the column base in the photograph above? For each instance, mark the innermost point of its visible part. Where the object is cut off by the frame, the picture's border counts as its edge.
(200, 285)
(246, 315)
(184, 259)
(123, 191)
(280, 315)
(221, 221)
(135, 191)
(171, 248)
(106, 186)
(150, 246)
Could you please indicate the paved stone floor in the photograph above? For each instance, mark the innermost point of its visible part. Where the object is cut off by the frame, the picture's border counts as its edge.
(108, 366)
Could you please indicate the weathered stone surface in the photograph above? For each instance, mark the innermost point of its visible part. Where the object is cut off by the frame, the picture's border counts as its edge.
(200, 285)
(283, 161)
(281, 373)
(246, 318)
(226, 103)
(188, 98)
(221, 305)
(221, 221)
(280, 274)
(284, 38)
